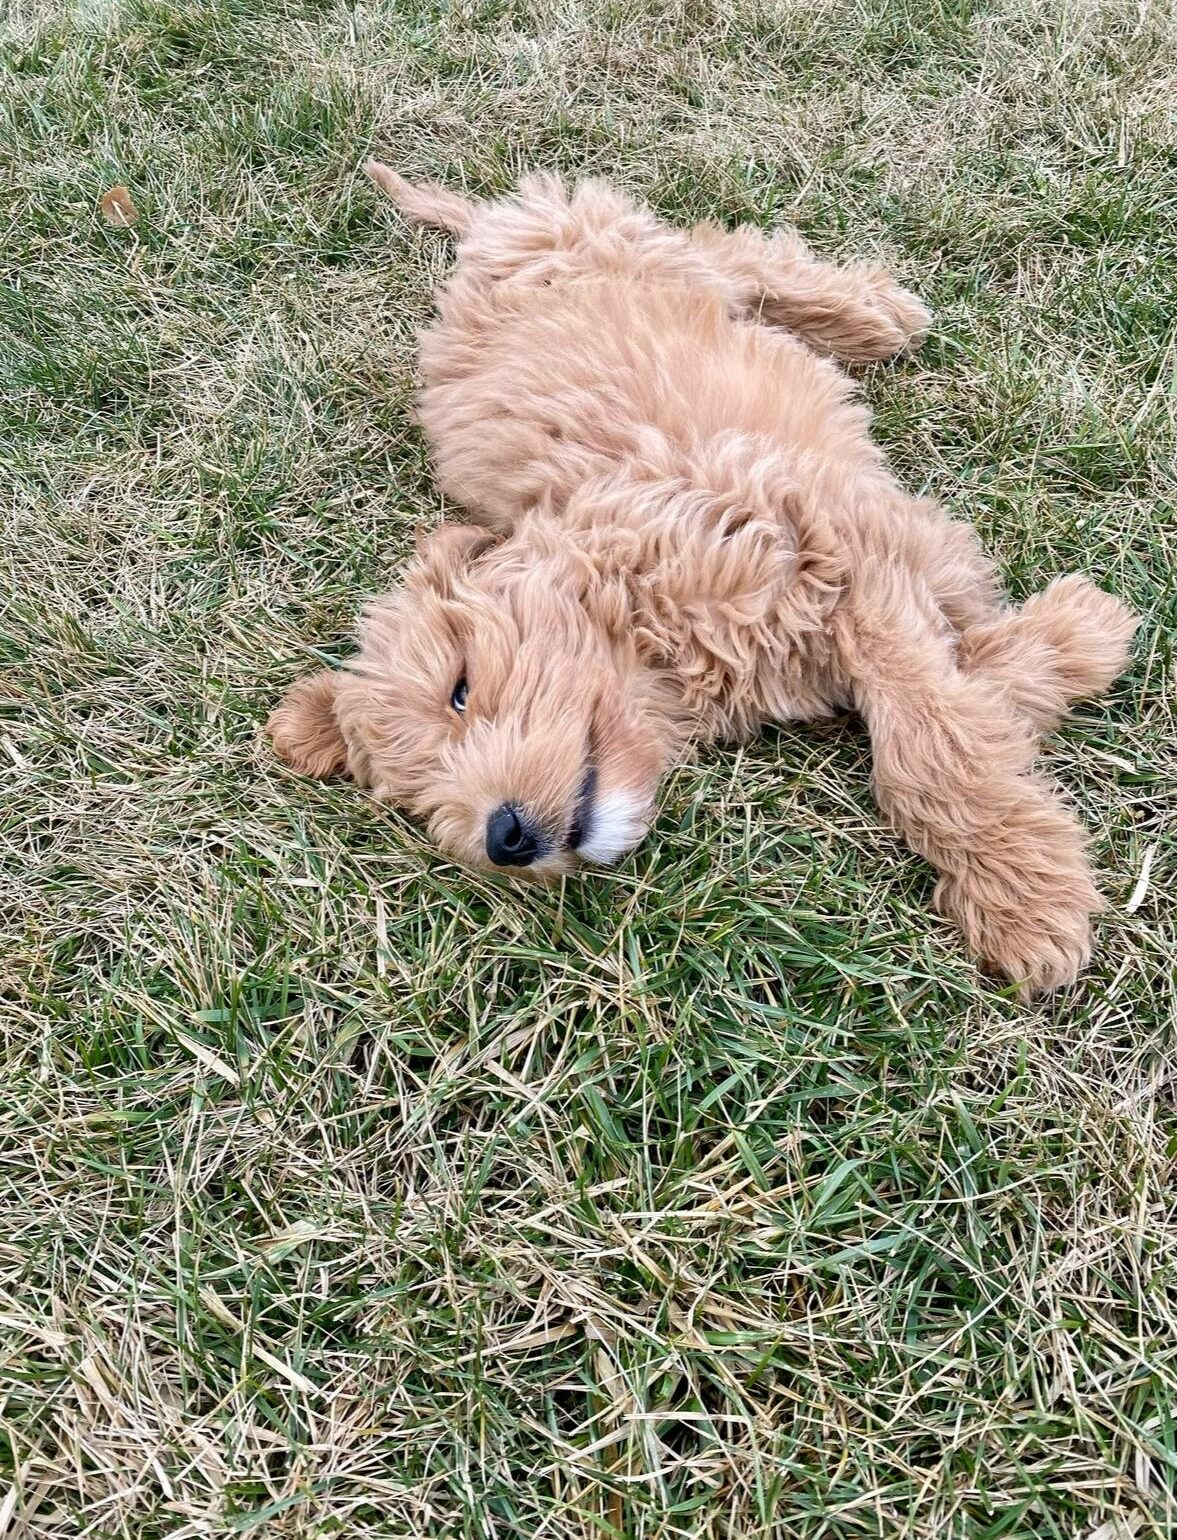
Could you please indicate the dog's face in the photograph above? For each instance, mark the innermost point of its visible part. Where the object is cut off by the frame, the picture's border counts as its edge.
(498, 695)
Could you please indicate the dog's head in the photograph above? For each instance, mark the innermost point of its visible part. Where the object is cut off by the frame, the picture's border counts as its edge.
(497, 694)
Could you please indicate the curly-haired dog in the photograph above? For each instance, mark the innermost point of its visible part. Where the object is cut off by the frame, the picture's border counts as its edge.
(684, 531)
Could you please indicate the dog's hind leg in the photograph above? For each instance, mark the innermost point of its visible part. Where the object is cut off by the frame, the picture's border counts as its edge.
(854, 313)
(1065, 644)
(951, 773)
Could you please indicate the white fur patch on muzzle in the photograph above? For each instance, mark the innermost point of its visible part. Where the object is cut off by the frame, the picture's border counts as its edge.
(617, 823)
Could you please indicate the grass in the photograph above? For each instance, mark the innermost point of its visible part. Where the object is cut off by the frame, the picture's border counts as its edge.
(346, 1193)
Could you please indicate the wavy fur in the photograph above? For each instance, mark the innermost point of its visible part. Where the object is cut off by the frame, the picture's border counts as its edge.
(684, 530)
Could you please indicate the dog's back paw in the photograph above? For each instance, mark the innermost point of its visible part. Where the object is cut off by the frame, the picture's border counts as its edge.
(1089, 630)
(901, 319)
(1066, 644)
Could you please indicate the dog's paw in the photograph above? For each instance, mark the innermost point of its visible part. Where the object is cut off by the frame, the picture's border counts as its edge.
(1039, 942)
(1044, 952)
(1025, 905)
(1090, 632)
(902, 319)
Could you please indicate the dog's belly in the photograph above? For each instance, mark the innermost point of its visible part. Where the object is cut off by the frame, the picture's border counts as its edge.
(567, 382)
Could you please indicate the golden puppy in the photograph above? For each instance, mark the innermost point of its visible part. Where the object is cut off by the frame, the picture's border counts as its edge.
(684, 530)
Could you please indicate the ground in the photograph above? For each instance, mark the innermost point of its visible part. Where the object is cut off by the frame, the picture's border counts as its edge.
(346, 1193)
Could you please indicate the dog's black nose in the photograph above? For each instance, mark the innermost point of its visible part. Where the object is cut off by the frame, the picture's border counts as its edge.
(510, 839)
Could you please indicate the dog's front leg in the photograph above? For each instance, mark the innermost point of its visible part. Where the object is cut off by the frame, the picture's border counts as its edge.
(951, 773)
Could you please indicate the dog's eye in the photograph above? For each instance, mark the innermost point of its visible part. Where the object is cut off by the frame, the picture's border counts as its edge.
(458, 698)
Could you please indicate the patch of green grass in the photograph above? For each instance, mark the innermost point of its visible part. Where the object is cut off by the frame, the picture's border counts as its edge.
(348, 1193)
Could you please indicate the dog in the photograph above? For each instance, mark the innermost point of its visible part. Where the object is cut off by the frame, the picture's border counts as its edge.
(682, 530)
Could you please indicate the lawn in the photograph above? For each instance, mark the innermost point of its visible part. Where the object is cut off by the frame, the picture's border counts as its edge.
(343, 1192)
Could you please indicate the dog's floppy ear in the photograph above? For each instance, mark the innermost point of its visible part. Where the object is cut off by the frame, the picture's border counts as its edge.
(304, 730)
(443, 554)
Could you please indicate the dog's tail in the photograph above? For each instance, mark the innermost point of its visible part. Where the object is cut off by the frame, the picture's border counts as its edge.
(426, 202)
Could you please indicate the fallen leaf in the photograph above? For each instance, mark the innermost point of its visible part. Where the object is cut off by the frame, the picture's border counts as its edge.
(118, 208)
